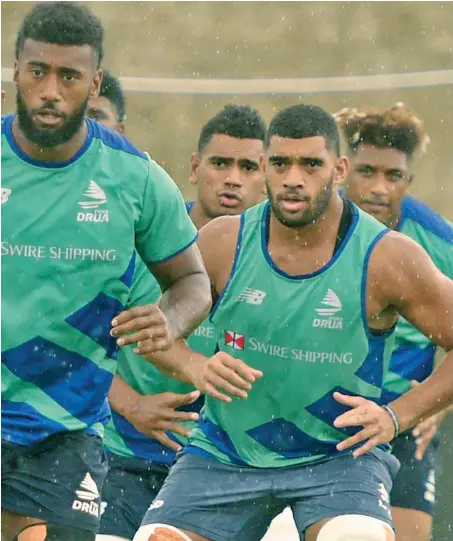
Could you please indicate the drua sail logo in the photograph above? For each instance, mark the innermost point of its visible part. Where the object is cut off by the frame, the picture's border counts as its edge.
(93, 198)
(327, 312)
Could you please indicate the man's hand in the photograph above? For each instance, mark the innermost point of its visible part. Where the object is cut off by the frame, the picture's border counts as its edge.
(149, 328)
(222, 371)
(378, 427)
(154, 415)
(425, 431)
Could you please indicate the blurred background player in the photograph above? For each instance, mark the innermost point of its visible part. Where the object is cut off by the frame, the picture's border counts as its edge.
(145, 431)
(109, 108)
(78, 202)
(308, 354)
(381, 146)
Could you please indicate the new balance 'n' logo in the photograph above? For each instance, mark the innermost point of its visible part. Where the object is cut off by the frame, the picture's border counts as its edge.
(94, 198)
(327, 313)
(252, 296)
(86, 494)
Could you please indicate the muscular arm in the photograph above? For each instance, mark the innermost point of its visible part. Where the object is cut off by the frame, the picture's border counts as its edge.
(217, 244)
(405, 280)
(122, 397)
(217, 241)
(186, 299)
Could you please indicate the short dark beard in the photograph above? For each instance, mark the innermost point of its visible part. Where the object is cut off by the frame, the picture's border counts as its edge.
(310, 215)
(43, 138)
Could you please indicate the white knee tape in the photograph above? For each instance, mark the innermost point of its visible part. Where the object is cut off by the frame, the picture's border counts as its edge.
(101, 537)
(353, 528)
(144, 532)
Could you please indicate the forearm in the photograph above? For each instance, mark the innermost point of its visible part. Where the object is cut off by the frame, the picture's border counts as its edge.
(186, 304)
(176, 362)
(430, 397)
(122, 397)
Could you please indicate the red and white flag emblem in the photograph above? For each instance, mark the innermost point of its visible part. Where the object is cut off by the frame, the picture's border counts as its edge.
(234, 340)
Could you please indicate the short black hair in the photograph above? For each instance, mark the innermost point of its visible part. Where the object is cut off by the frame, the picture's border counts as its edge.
(303, 120)
(62, 23)
(239, 121)
(111, 90)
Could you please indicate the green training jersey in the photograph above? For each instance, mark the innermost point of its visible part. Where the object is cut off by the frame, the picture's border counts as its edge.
(309, 336)
(70, 235)
(414, 353)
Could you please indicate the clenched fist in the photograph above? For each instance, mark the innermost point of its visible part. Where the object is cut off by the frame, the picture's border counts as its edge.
(148, 327)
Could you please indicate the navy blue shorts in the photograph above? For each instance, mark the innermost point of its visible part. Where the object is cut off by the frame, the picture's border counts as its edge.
(231, 503)
(58, 480)
(415, 484)
(130, 487)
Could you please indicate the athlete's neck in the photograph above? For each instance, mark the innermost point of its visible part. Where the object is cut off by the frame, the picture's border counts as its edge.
(394, 220)
(198, 216)
(61, 153)
(313, 235)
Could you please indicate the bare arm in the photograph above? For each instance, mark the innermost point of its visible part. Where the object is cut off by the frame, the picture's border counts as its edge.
(184, 304)
(424, 296)
(153, 415)
(186, 298)
(122, 397)
(217, 242)
(403, 279)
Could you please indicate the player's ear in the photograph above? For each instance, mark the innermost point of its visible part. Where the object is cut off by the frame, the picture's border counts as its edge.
(120, 128)
(195, 161)
(341, 169)
(96, 84)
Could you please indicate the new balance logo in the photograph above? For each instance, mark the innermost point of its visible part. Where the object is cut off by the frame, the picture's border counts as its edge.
(234, 340)
(331, 306)
(6, 192)
(86, 494)
(95, 197)
(252, 296)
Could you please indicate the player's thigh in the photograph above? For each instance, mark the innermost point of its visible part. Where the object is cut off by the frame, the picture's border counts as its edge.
(216, 501)
(164, 532)
(412, 525)
(348, 528)
(414, 488)
(282, 528)
(343, 486)
(20, 528)
(129, 488)
(57, 481)
(12, 524)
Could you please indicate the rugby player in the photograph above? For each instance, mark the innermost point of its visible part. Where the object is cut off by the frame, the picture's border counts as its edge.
(145, 431)
(309, 354)
(381, 148)
(78, 201)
